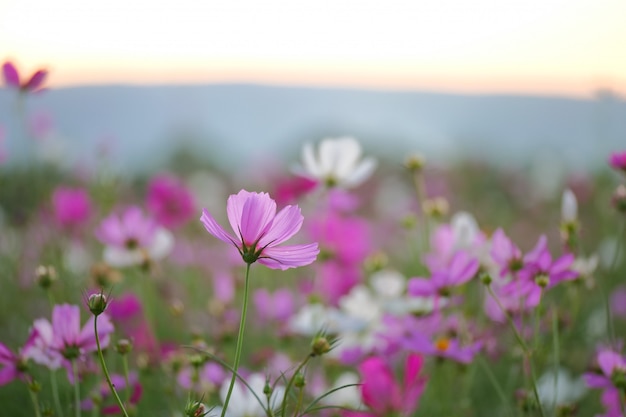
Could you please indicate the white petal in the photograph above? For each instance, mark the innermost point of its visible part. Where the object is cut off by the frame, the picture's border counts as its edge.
(569, 206)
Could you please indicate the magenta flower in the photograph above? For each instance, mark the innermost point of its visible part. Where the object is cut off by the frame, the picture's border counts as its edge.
(613, 371)
(383, 394)
(63, 340)
(71, 206)
(505, 253)
(540, 272)
(259, 231)
(133, 239)
(12, 79)
(170, 201)
(617, 160)
(462, 268)
(289, 190)
(13, 365)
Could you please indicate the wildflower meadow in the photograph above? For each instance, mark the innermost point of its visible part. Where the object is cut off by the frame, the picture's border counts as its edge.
(334, 283)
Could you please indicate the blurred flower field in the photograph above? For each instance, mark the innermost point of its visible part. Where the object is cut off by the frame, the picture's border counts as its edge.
(334, 284)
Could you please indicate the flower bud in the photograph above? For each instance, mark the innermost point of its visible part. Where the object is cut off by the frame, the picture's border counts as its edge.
(195, 409)
(267, 389)
(376, 262)
(103, 275)
(415, 162)
(46, 276)
(542, 280)
(320, 346)
(436, 207)
(97, 304)
(123, 346)
(299, 381)
(486, 279)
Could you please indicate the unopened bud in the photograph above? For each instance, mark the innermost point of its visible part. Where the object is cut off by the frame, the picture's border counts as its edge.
(46, 276)
(299, 381)
(195, 409)
(542, 280)
(376, 262)
(267, 389)
(415, 163)
(123, 346)
(486, 279)
(409, 222)
(436, 207)
(97, 304)
(34, 386)
(320, 346)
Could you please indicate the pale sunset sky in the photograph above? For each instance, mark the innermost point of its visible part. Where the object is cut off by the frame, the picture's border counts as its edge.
(566, 47)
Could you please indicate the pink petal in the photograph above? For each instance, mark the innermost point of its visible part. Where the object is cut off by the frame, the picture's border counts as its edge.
(6, 356)
(36, 80)
(285, 257)
(87, 337)
(234, 210)
(215, 229)
(11, 77)
(8, 374)
(608, 361)
(256, 217)
(66, 325)
(421, 286)
(286, 224)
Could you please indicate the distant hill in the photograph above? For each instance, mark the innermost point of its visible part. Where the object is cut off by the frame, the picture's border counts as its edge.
(238, 123)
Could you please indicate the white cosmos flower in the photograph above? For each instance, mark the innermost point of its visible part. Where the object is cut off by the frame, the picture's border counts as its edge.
(244, 404)
(569, 206)
(567, 389)
(337, 162)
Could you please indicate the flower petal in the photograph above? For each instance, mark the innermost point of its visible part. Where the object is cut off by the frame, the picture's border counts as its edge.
(11, 76)
(215, 229)
(286, 224)
(285, 257)
(256, 217)
(66, 325)
(36, 80)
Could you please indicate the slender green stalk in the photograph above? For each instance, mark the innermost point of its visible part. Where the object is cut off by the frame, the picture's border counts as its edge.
(283, 406)
(76, 388)
(494, 381)
(104, 368)
(557, 359)
(33, 397)
(527, 352)
(242, 324)
(55, 392)
(126, 378)
(538, 321)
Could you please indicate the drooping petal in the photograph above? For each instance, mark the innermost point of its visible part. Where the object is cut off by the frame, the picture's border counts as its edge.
(421, 286)
(286, 224)
(311, 165)
(11, 76)
(256, 217)
(348, 152)
(215, 229)
(362, 172)
(285, 257)
(8, 374)
(36, 80)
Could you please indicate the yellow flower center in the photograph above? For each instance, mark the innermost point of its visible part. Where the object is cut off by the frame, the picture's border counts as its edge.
(442, 344)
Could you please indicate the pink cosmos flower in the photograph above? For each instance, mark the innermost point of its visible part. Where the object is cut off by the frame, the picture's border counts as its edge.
(61, 341)
(505, 253)
(13, 365)
(538, 265)
(617, 160)
(12, 79)
(289, 190)
(386, 396)
(274, 307)
(133, 239)
(462, 268)
(71, 206)
(613, 371)
(259, 231)
(170, 201)
(443, 347)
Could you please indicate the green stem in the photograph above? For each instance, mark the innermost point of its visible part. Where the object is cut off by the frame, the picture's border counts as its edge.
(527, 352)
(557, 359)
(33, 397)
(126, 377)
(495, 383)
(55, 392)
(283, 406)
(76, 388)
(104, 368)
(242, 323)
